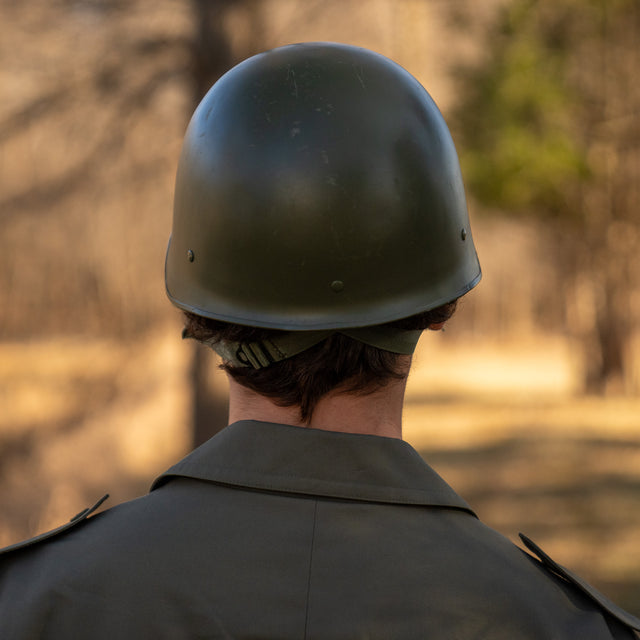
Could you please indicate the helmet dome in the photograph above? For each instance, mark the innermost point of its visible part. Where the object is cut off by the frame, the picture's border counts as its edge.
(318, 188)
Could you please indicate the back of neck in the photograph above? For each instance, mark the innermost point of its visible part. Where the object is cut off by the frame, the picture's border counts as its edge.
(378, 413)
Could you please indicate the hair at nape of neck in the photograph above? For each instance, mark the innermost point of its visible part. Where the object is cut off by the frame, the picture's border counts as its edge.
(336, 363)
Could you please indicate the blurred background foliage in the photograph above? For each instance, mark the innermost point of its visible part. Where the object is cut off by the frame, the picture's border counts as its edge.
(549, 124)
(517, 114)
(541, 96)
(529, 402)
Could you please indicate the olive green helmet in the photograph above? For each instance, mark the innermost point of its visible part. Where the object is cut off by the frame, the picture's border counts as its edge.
(318, 188)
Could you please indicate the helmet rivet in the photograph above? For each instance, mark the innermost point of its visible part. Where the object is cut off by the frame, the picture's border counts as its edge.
(463, 235)
(190, 255)
(337, 286)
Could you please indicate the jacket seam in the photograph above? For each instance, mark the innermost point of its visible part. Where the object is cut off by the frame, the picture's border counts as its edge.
(313, 538)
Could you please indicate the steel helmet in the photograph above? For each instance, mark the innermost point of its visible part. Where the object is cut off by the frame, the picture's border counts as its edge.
(318, 188)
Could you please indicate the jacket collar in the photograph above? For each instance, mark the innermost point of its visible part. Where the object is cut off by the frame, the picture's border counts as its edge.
(274, 457)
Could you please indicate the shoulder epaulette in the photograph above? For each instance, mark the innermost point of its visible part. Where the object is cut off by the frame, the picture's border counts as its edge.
(600, 599)
(77, 519)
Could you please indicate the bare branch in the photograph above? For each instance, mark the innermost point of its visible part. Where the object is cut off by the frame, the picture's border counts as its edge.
(42, 105)
(44, 196)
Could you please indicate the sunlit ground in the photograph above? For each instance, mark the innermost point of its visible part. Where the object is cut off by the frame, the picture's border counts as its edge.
(501, 422)
(504, 425)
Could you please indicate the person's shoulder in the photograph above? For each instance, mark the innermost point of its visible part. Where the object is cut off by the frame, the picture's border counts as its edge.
(93, 531)
(91, 538)
(622, 621)
(33, 569)
(78, 519)
(108, 566)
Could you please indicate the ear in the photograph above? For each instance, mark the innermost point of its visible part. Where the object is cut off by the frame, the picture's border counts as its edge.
(437, 326)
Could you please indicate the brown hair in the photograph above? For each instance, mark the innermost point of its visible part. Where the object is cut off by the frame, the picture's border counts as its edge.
(339, 362)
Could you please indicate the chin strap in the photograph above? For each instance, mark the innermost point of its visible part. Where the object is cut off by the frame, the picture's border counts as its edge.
(262, 353)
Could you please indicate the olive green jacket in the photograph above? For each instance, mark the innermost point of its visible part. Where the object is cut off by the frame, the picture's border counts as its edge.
(270, 531)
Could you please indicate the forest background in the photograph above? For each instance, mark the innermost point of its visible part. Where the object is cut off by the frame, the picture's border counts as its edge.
(529, 404)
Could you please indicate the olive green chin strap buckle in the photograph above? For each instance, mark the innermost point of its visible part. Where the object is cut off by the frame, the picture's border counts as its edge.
(263, 353)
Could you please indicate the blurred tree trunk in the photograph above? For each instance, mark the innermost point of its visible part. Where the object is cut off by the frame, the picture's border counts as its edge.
(550, 127)
(210, 404)
(212, 56)
(612, 136)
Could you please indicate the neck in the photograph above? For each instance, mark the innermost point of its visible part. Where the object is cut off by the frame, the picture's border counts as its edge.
(378, 413)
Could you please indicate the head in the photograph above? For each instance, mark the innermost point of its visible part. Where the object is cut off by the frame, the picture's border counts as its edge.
(319, 223)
